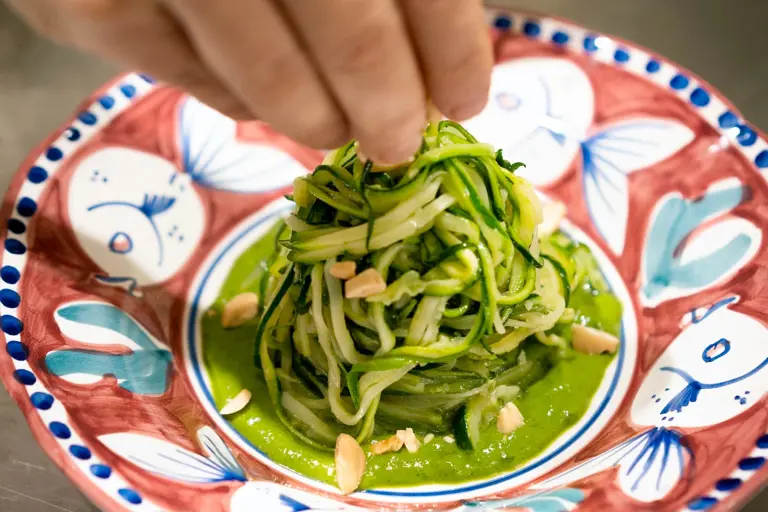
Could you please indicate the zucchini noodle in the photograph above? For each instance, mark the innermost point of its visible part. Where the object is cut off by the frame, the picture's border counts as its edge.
(476, 306)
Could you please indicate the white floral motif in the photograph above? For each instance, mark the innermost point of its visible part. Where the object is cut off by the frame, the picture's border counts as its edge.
(170, 461)
(712, 372)
(140, 219)
(540, 113)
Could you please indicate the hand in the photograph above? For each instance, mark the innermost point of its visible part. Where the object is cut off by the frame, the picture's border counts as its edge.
(321, 71)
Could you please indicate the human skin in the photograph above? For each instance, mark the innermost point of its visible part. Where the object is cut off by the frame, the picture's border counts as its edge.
(320, 71)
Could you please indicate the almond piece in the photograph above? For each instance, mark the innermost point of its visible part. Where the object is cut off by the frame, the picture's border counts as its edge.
(239, 309)
(449, 439)
(409, 439)
(350, 463)
(367, 283)
(591, 341)
(510, 418)
(390, 444)
(552, 214)
(344, 269)
(236, 404)
(428, 438)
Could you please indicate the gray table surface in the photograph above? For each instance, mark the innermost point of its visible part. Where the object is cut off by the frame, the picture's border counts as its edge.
(40, 84)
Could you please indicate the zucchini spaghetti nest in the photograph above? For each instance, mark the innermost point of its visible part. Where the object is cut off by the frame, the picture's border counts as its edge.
(424, 295)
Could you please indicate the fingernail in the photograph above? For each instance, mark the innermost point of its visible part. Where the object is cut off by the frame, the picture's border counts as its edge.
(396, 153)
(467, 110)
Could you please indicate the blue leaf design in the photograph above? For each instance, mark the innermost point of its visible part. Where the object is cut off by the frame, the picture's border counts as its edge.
(143, 371)
(155, 204)
(690, 393)
(219, 452)
(558, 500)
(609, 156)
(293, 504)
(670, 442)
(214, 157)
(676, 220)
(168, 460)
(650, 465)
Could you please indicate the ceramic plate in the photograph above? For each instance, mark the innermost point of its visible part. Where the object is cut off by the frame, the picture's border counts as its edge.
(122, 226)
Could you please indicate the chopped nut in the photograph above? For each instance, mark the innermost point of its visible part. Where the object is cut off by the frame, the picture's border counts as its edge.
(391, 444)
(510, 418)
(367, 283)
(591, 341)
(428, 438)
(344, 269)
(409, 439)
(239, 309)
(237, 404)
(350, 463)
(449, 439)
(553, 213)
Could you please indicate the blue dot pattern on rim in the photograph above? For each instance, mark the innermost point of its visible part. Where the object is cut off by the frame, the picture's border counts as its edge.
(9, 298)
(653, 66)
(9, 274)
(14, 246)
(25, 377)
(17, 350)
(728, 120)
(11, 325)
(130, 496)
(147, 78)
(16, 226)
(128, 90)
(751, 463)
(531, 28)
(746, 136)
(37, 174)
(590, 44)
(727, 484)
(703, 503)
(502, 22)
(79, 451)
(26, 207)
(107, 102)
(560, 38)
(73, 134)
(700, 97)
(42, 401)
(53, 154)
(60, 430)
(761, 160)
(87, 118)
(621, 55)
(100, 471)
(679, 82)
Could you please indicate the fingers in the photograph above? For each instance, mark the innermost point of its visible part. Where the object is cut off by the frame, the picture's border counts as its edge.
(319, 71)
(138, 34)
(363, 50)
(250, 48)
(456, 56)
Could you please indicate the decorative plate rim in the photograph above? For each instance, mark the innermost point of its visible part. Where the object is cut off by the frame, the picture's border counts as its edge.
(112, 491)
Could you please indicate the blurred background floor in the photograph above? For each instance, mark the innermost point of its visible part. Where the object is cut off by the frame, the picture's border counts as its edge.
(40, 85)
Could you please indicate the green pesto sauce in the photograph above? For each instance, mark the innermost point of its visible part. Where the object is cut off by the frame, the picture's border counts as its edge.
(549, 407)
